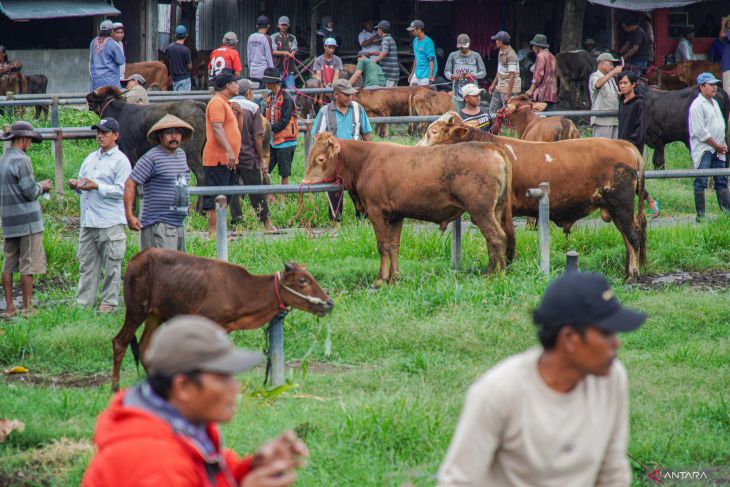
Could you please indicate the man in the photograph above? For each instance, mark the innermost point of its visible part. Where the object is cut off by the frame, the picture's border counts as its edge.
(684, 51)
(258, 49)
(180, 61)
(345, 119)
(369, 40)
(281, 113)
(604, 96)
(135, 92)
(707, 142)
(326, 30)
(725, 57)
(251, 161)
(20, 212)
(473, 113)
(225, 58)
(223, 122)
(636, 49)
(105, 59)
(6, 65)
(507, 82)
(102, 239)
(164, 431)
(423, 71)
(371, 73)
(285, 48)
(709, 28)
(544, 87)
(118, 35)
(327, 67)
(164, 175)
(555, 414)
(463, 67)
(387, 58)
(590, 46)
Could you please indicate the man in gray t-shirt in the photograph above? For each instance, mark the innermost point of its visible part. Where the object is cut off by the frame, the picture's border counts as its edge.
(463, 67)
(388, 56)
(604, 96)
(258, 50)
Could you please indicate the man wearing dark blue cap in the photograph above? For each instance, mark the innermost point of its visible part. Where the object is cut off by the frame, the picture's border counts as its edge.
(180, 60)
(555, 414)
(102, 239)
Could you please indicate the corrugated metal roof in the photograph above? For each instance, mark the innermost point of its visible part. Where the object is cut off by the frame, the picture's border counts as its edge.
(53, 9)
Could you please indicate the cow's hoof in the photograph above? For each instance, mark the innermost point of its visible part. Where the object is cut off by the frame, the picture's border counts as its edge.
(395, 277)
(378, 283)
(632, 278)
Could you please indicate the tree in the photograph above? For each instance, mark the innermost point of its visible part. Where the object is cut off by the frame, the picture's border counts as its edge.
(571, 34)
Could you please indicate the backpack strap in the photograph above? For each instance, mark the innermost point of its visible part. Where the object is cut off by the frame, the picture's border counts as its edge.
(356, 135)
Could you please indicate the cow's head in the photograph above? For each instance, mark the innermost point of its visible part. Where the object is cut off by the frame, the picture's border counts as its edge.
(322, 164)
(523, 102)
(448, 129)
(298, 289)
(97, 98)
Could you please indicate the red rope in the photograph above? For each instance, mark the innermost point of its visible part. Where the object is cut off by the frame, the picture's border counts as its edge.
(282, 306)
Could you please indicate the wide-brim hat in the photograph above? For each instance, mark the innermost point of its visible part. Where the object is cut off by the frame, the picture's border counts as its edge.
(170, 122)
(22, 129)
(540, 40)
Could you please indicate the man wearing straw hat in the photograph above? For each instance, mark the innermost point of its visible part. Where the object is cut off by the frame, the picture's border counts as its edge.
(164, 175)
(20, 211)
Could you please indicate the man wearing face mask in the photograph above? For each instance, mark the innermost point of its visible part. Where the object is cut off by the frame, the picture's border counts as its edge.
(163, 173)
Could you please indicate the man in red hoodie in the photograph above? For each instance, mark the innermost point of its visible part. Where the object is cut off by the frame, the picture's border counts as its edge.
(164, 431)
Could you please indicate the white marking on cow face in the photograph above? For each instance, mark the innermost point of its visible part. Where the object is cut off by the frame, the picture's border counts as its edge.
(511, 151)
(548, 158)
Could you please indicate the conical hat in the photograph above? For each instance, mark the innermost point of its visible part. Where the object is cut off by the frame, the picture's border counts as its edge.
(170, 122)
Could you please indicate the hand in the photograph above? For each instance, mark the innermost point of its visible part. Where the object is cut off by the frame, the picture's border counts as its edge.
(432, 79)
(133, 223)
(722, 149)
(46, 186)
(231, 160)
(490, 90)
(530, 91)
(72, 183)
(456, 77)
(237, 110)
(277, 474)
(87, 184)
(292, 54)
(287, 447)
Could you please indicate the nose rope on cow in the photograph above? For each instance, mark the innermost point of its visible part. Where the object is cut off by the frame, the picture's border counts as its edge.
(109, 100)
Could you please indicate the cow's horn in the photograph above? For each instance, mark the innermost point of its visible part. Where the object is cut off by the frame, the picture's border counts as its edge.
(288, 266)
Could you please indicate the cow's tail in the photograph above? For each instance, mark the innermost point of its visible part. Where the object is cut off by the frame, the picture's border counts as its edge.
(412, 112)
(640, 216)
(507, 222)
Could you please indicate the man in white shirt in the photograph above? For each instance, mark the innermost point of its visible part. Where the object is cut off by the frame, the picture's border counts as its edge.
(556, 415)
(707, 143)
(369, 40)
(604, 96)
(102, 241)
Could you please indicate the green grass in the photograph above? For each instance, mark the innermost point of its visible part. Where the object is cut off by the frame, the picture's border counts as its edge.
(380, 408)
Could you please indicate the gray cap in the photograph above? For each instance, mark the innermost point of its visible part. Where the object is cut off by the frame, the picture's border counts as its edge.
(343, 86)
(607, 56)
(246, 84)
(416, 24)
(106, 25)
(383, 24)
(283, 20)
(136, 77)
(502, 36)
(462, 41)
(230, 38)
(189, 343)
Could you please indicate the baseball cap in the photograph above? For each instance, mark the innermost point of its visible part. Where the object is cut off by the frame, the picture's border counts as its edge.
(246, 84)
(607, 56)
(704, 78)
(416, 24)
(106, 25)
(189, 343)
(472, 89)
(589, 41)
(181, 31)
(283, 20)
(262, 20)
(584, 298)
(136, 77)
(107, 124)
(222, 80)
(118, 25)
(343, 86)
(383, 24)
(502, 36)
(462, 41)
(230, 38)
(330, 41)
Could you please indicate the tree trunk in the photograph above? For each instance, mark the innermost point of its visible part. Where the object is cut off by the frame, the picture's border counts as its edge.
(571, 34)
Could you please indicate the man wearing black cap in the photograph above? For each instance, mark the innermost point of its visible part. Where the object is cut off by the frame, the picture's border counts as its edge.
(281, 113)
(258, 50)
(20, 212)
(102, 239)
(388, 55)
(555, 414)
(165, 430)
(507, 82)
(425, 66)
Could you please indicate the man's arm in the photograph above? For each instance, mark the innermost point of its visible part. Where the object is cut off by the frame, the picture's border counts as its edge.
(115, 191)
(510, 84)
(237, 66)
(29, 188)
(481, 69)
(604, 79)
(539, 74)
(219, 133)
(448, 68)
(356, 76)
(130, 192)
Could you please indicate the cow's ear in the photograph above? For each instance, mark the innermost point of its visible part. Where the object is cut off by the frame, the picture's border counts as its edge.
(333, 147)
(459, 133)
(539, 106)
(451, 118)
(289, 266)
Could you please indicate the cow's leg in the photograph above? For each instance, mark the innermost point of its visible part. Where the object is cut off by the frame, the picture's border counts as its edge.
(658, 158)
(395, 230)
(382, 236)
(150, 326)
(508, 226)
(620, 205)
(496, 238)
(132, 320)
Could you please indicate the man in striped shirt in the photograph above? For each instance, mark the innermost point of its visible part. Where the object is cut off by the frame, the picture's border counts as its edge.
(20, 210)
(388, 55)
(164, 175)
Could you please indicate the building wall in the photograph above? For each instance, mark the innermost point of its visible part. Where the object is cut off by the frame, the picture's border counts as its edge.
(67, 69)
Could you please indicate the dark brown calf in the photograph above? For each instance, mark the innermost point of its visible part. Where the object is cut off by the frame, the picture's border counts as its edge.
(160, 284)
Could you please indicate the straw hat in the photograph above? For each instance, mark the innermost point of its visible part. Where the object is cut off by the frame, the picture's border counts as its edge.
(170, 122)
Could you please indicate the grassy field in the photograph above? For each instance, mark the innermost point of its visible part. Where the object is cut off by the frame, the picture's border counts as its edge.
(380, 407)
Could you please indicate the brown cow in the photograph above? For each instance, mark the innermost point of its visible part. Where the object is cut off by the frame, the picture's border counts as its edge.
(160, 284)
(388, 102)
(38, 84)
(390, 182)
(429, 102)
(682, 74)
(584, 175)
(539, 129)
(154, 72)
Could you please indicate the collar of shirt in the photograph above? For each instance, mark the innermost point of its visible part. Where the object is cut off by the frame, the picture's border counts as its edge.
(100, 152)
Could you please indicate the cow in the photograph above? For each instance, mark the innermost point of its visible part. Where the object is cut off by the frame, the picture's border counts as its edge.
(584, 175)
(529, 126)
(388, 102)
(38, 84)
(667, 117)
(12, 82)
(574, 69)
(136, 120)
(429, 102)
(390, 182)
(682, 74)
(160, 284)
(154, 72)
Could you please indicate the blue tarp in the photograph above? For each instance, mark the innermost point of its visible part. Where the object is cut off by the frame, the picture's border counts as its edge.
(53, 9)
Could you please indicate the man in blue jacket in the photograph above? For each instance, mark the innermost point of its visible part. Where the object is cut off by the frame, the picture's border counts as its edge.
(105, 59)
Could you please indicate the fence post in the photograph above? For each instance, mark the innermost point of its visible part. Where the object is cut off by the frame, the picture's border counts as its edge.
(6, 143)
(221, 236)
(456, 244)
(58, 156)
(571, 261)
(307, 147)
(54, 120)
(543, 223)
(276, 349)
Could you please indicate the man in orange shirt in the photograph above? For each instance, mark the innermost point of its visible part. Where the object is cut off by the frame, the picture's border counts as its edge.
(225, 59)
(223, 123)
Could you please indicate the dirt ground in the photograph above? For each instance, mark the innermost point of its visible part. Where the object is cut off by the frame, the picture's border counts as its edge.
(712, 281)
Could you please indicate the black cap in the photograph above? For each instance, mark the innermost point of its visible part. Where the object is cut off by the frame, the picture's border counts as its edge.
(271, 75)
(107, 124)
(580, 299)
(262, 20)
(223, 79)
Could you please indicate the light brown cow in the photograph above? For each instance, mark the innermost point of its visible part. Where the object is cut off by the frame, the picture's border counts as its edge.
(584, 175)
(540, 129)
(390, 182)
(682, 74)
(387, 102)
(154, 72)
(429, 102)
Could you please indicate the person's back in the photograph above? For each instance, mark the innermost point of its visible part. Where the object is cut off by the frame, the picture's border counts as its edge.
(179, 57)
(224, 59)
(137, 95)
(259, 55)
(20, 210)
(372, 74)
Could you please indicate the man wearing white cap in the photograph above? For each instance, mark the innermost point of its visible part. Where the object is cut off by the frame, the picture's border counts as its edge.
(604, 96)
(327, 67)
(463, 67)
(285, 48)
(105, 58)
(473, 113)
(136, 94)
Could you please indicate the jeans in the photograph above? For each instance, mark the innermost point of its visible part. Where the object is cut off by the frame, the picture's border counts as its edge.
(182, 85)
(496, 102)
(710, 161)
